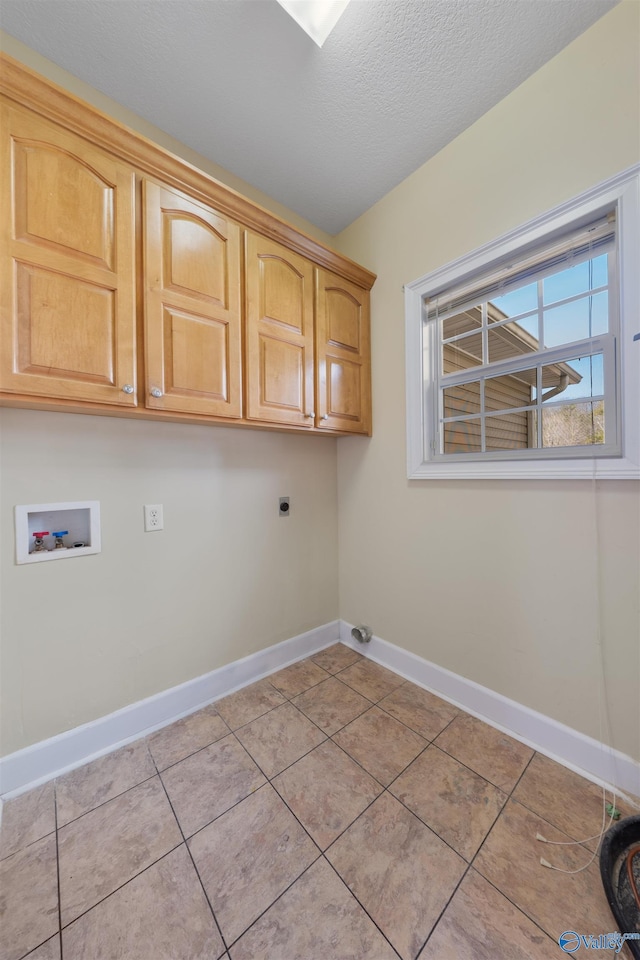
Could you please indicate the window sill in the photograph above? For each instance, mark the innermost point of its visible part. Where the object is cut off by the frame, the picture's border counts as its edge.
(618, 469)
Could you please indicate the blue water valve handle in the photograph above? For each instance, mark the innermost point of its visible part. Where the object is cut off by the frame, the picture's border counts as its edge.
(637, 336)
(60, 544)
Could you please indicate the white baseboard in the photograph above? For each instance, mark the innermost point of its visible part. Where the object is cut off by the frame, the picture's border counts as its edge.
(50, 758)
(584, 755)
(42, 761)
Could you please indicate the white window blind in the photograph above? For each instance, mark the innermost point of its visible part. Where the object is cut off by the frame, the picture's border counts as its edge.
(552, 257)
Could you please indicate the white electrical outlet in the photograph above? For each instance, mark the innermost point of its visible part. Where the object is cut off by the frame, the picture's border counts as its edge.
(153, 518)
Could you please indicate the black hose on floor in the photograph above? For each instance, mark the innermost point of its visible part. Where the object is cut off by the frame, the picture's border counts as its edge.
(620, 872)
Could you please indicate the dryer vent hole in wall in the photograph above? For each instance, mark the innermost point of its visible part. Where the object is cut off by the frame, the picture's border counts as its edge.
(284, 506)
(362, 634)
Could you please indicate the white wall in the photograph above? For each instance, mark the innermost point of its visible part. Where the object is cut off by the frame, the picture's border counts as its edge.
(227, 576)
(83, 637)
(499, 581)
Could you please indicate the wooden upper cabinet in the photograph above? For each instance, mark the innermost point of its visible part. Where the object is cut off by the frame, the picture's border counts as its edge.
(342, 354)
(279, 334)
(192, 306)
(67, 265)
(133, 284)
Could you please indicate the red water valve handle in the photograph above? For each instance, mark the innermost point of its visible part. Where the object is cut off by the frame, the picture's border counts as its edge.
(43, 533)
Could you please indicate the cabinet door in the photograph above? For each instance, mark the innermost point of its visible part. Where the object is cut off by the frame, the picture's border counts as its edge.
(343, 355)
(192, 306)
(279, 333)
(68, 270)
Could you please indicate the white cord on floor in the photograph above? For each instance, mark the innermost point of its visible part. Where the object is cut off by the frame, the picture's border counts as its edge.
(602, 708)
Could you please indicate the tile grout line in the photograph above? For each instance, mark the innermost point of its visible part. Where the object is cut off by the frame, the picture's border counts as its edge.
(157, 773)
(138, 783)
(291, 696)
(55, 811)
(351, 824)
(260, 715)
(115, 796)
(146, 737)
(459, 713)
(443, 911)
(384, 789)
(286, 698)
(187, 756)
(541, 816)
(413, 730)
(199, 749)
(268, 781)
(120, 886)
(475, 772)
(217, 817)
(327, 737)
(362, 907)
(316, 845)
(186, 845)
(477, 853)
(373, 703)
(301, 757)
(470, 863)
(136, 875)
(509, 797)
(362, 812)
(330, 737)
(309, 659)
(358, 764)
(26, 955)
(103, 803)
(279, 897)
(322, 854)
(27, 845)
(338, 643)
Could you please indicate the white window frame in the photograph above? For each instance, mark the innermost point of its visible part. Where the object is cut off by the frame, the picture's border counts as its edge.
(621, 192)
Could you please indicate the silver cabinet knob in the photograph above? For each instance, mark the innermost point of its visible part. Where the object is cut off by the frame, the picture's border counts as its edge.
(311, 415)
(325, 416)
(156, 393)
(127, 388)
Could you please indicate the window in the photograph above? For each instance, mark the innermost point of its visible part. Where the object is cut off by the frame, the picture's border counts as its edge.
(525, 365)
(520, 356)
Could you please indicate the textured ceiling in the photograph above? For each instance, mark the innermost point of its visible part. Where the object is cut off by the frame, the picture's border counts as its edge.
(325, 131)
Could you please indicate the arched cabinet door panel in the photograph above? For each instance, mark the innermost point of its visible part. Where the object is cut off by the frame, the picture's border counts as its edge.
(343, 374)
(68, 265)
(278, 334)
(192, 306)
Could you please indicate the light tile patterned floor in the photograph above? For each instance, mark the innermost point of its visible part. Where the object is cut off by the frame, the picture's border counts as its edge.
(331, 812)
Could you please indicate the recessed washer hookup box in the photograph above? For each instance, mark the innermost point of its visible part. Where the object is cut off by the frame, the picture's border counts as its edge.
(57, 531)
